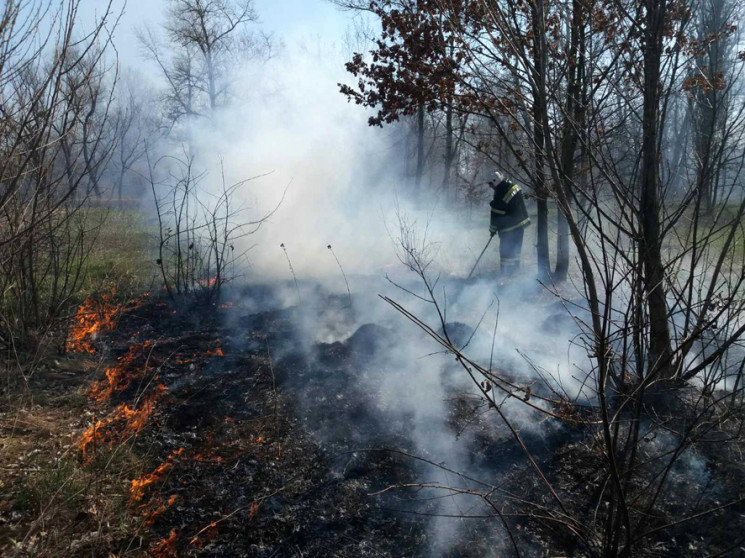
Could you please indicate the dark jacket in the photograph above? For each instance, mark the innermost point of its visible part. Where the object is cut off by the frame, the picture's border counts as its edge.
(508, 210)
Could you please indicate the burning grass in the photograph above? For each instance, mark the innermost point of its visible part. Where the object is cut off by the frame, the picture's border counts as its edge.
(207, 447)
(121, 424)
(120, 376)
(95, 316)
(219, 460)
(52, 504)
(138, 486)
(165, 548)
(157, 506)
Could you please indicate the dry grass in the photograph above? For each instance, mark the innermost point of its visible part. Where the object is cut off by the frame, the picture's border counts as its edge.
(52, 502)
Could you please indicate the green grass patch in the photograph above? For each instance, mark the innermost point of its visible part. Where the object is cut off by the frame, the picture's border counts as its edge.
(62, 485)
(712, 231)
(119, 258)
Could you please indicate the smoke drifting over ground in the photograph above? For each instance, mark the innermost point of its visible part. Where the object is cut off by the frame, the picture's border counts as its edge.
(363, 376)
(398, 391)
(344, 179)
(345, 188)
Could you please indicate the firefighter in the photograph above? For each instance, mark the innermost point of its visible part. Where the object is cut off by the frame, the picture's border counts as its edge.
(509, 217)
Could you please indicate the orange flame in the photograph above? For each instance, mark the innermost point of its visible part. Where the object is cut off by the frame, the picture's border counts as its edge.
(216, 352)
(138, 486)
(165, 548)
(150, 511)
(92, 318)
(120, 377)
(158, 508)
(121, 423)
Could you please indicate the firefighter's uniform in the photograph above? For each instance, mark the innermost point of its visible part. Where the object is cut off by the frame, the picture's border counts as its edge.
(509, 217)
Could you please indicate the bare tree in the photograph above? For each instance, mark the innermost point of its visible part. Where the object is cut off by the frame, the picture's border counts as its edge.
(710, 85)
(662, 281)
(55, 145)
(205, 40)
(198, 228)
(136, 126)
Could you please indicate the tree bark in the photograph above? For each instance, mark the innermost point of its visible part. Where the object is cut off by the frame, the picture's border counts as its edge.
(449, 150)
(211, 82)
(419, 147)
(562, 247)
(539, 109)
(574, 122)
(659, 354)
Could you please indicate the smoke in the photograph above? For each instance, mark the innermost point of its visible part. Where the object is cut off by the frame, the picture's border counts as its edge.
(342, 185)
(290, 127)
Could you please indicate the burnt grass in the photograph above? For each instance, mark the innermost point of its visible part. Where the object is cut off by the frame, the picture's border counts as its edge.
(276, 449)
(250, 476)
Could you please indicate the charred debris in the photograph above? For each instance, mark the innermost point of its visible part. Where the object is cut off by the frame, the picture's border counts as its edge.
(257, 440)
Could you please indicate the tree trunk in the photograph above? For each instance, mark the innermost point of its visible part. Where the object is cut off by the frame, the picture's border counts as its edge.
(542, 255)
(562, 247)
(659, 355)
(539, 110)
(420, 147)
(574, 116)
(212, 90)
(449, 150)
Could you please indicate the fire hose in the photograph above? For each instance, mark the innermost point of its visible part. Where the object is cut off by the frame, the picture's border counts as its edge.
(481, 255)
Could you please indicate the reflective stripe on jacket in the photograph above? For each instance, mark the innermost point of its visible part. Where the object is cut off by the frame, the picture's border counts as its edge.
(508, 211)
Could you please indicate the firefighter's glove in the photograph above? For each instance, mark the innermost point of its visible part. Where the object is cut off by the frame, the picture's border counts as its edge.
(492, 230)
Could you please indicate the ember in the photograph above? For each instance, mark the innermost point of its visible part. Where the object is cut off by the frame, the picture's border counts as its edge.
(209, 457)
(209, 533)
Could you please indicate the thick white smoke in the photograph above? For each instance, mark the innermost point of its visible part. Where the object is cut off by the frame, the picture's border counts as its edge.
(343, 179)
(345, 188)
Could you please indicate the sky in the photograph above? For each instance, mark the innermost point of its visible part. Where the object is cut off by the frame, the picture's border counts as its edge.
(289, 21)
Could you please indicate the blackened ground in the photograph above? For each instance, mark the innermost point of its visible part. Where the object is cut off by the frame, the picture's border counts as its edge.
(267, 449)
(248, 475)
(277, 448)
